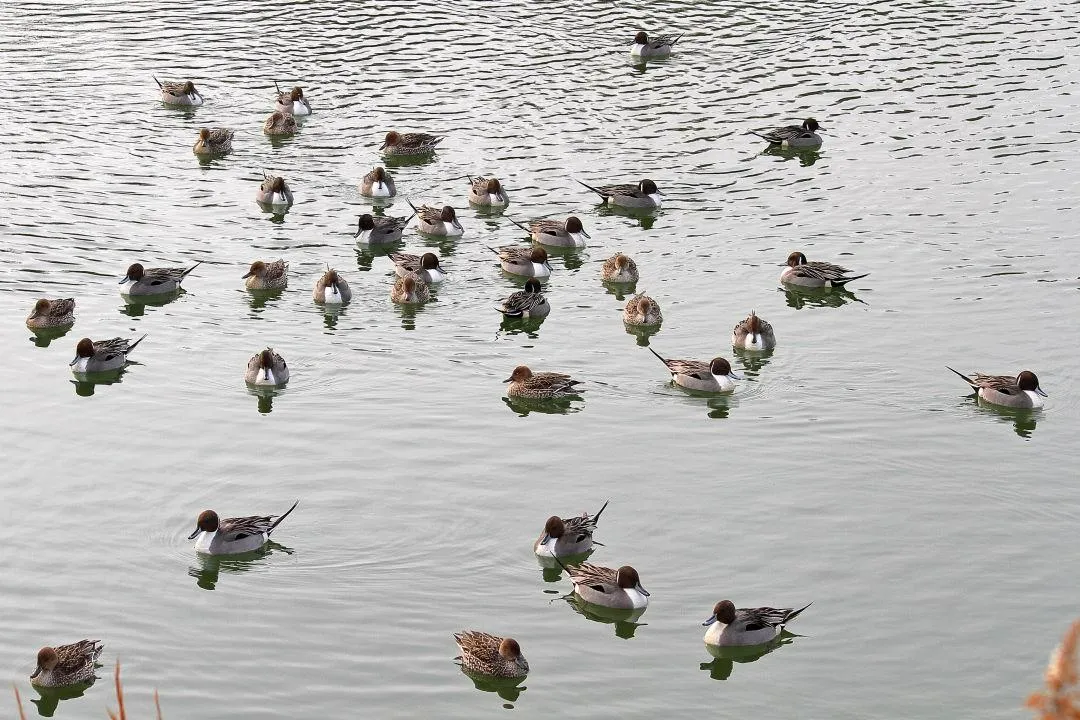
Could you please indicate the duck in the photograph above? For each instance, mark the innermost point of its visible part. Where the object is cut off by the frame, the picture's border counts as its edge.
(233, 536)
(292, 102)
(102, 355)
(793, 136)
(753, 333)
(1022, 392)
(65, 665)
(379, 230)
(378, 184)
(641, 195)
(491, 655)
(410, 289)
(713, 376)
(642, 311)
(52, 314)
(524, 261)
(729, 627)
(815, 274)
(279, 124)
(567, 537)
(619, 268)
(487, 192)
(141, 282)
(658, 47)
(527, 303)
(426, 266)
(213, 141)
(274, 191)
(524, 383)
(617, 589)
(266, 276)
(180, 94)
(331, 289)
(435, 221)
(396, 143)
(266, 368)
(556, 233)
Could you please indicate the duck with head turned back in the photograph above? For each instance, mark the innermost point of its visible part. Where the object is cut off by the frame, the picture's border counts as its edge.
(65, 665)
(753, 333)
(292, 102)
(52, 314)
(491, 655)
(659, 46)
(713, 376)
(274, 191)
(180, 94)
(802, 273)
(793, 136)
(744, 627)
(279, 124)
(233, 536)
(487, 192)
(527, 303)
(567, 537)
(642, 195)
(1021, 392)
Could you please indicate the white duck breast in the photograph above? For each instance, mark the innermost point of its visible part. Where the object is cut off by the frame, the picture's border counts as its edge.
(540, 270)
(331, 295)
(380, 190)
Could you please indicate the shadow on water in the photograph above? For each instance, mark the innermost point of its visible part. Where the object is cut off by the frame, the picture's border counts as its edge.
(753, 360)
(280, 141)
(208, 569)
(276, 213)
(50, 697)
(366, 254)
(645, 217)
(530, 326)
(625, 621)
(1023, 420)
(556, 406)
(136, 306)
(572, 258)
(265, 395)
(803, 297)
(259, 299)
(408, 314)
(43, 337)
(642, 333)
(724, 658)
(509, 689)
(805, 156)
(391, 162)
(86, 383)
(552, 572)
(445, 244)
(620, 290)
(332, 312)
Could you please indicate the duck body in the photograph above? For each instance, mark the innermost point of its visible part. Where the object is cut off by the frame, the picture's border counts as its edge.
(267, 369)
(179, 94)
(527, 303)
(378, 184)
(715, 376)
(490, 655)
(642, 195)
(146, 282)
(66, 665)
(102, 355)
(1021, 392)
(794, 136)
(654, 48)
(753, 333)
(744, 627)
(607, 587)
(234, 536)
(52, 314)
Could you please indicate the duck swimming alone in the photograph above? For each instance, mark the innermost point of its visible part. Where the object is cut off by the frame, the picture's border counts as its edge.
(753, 333)
(567, 537)
(180, 94)
(658, 47)
(491, 655)
(619, 268)
(524, 383)
(1022, 392)
(266, 276)
(487, 192)
(641, 195)
(815, 274)
(102, 355)
(642, 311)
(266, 368)
(65, 665)
(233, 536)
(143, 282)
(729, 627)
(52, 314)
(794, 136)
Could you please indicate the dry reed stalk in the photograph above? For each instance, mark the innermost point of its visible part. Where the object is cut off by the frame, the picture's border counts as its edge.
(1061, 700)
(18, 701)
(119, 698)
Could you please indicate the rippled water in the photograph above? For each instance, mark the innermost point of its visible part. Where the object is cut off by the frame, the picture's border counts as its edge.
(936, 538)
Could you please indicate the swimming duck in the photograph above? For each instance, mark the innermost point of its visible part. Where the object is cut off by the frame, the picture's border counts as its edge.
(397, 143)
(729, 627)
(292, 102)
(378, 184)
(794, 136)
(266, 368)
(380, 229)
(1023, 391)
(541, 386)
(524, 261)
(815, 274)
(51, 314)
(331, 289)
(658, 47)
(274, 191)
(266, 276)
(487, 192)
(527, 303)
(753, 333)
(642, 195)
(103, 355)
(619, 589)
(213, 141)
(140, 281)
(435, 221)
(491, 655)
(566, 537)
(556, 233)
(713, 376)
(642, 311)
(426, 266)
(279, 124)
(67, 664)
(410, 289)
(233, 536)
(619, 268)
(182, 94)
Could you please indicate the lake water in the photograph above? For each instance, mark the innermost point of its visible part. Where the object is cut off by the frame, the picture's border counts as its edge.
(936, 538)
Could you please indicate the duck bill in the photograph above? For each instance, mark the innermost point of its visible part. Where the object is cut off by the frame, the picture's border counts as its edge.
(585, 233)
(36, 672)
(733, 376)
(710, 621)
(643, 591)
(246, 275)
(457, 225)
(383, 146)
(1041, 392)
(74, 362)
(194, 535)
(124, 280)
(509, 379)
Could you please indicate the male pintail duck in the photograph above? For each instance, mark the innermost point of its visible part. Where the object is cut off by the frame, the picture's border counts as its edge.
(331, 289)
(213, 141)
(140, 281)
(618, 589)
(729, 627)
(437, 221)
(566, 537)
(1023, 391)
(426, 266)
(67, 664)
(397, 143)
(51, 314)
(642, 311)
(635, 196)
(292, 102)
(619, 268)
(103, 355)
(527, 303)
(266, 276)
(378, 184)
(266, 368)
(524, 261)
(659, 47)
(182, 94)
(279, 124)
(556, 233)
(524, 383)
(491, 655)
(410, 289)
(713, 376)
(794, 136)
(274, 191)
(815, 274)
(233, 536)
(487, 192)
(753, 333)
(380, 229)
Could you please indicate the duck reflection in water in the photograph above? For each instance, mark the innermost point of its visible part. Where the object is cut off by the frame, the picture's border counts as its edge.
(50, 697)
(509, 689)
(724, 658)
(625, 621)
(265, 395)
(556, 406)
(753, 360)
(803, 297)
(805, 156)
(210, 567)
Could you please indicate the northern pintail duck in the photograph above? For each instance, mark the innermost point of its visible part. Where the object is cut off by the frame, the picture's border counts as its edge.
(524, 261)
(292, 102)
(729, 627)
(566, 537)
(233, 536)
(266, 276)
(181, 94)
(426, 266)
(556, 233)
(642, 311)
(527, 303)
(379, 229)
(279, 124)
(658, 47)
(815, 274)
(437, 221)
(1023, 391)
(713, 376)
(397, 143)
(641, 195)
(410, 289)
(102, 355)
(140, 281)
(486, 654)
(524, 383)
(266, 368)
(753, 333)
(378, 184)
(331, 289)
(51, 314)
(794, 136)
(619, 589)
(619, 268)
(213, 141)
(487, 192)
(274, 191)
(67, 664)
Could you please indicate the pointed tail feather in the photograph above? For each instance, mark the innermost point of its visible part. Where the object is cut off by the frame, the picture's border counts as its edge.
(493, 250)
(597, 515)
(792, 615)
(158, 82)
(964, 377)
(590, 187)
(844, 281)
(282, 517)
(185, 273)
(132, 345)
(526, 229)
(277, 87)
(658, 355)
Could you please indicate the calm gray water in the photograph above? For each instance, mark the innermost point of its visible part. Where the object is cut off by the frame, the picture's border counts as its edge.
(936, 538)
